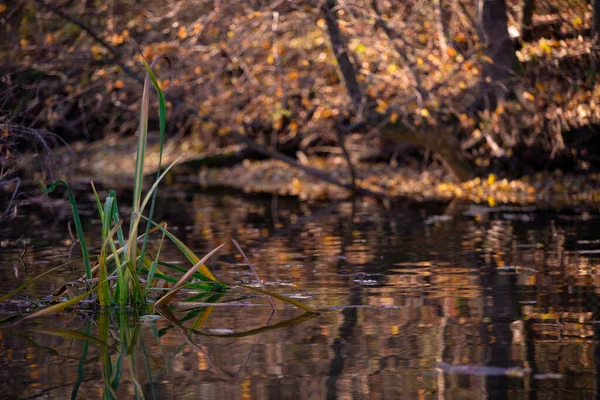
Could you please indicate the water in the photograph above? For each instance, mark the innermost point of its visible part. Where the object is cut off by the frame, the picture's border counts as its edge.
(418, 301)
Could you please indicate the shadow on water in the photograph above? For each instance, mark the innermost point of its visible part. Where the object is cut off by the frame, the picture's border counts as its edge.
(420, 301)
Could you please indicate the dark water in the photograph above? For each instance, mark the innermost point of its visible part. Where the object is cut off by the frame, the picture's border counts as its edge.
(419, 301)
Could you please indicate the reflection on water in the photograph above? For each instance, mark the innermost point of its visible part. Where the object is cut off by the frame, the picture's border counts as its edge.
(419, 301)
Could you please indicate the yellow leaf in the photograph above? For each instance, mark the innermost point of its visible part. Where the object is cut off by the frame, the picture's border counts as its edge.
(119, 84)
(326, 113)
(224, 131)
(293, 126)
(491, 179)
(182, 32)
(528, 96)
(451, 52)
(424, 112)
(293, 75)
(3, 7)
(460, 37)
(487, 59)
(382, 106)
(394, 118)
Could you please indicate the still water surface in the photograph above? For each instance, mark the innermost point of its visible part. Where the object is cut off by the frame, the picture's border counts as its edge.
(419, 301)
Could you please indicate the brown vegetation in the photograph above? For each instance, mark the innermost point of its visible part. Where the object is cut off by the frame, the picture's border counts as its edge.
(296, 79)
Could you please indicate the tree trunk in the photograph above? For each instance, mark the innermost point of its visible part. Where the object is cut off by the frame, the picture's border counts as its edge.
(443, 143)
(499, 46)
(596, 20)
(345, 67)
(527, 19)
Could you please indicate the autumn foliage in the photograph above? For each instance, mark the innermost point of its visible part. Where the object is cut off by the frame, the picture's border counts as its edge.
(267, 70)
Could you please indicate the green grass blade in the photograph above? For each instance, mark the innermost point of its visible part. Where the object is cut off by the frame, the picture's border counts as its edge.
(152, 189)
(203, 317)
(166, 299)
(98, 203)
(189, 254)
(154, 266)
(58, 307)
(77, 220)
(67, 303)
(117, 218)
(183, 270)
(162, 115)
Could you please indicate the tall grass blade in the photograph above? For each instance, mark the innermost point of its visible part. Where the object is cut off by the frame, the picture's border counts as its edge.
(162, 115)
(67, 303)
(203, 317)
(103, 288)
(152, 189)
(154, 266)
(77, 220)
(59, 306)
(166, 299)
(189, 254)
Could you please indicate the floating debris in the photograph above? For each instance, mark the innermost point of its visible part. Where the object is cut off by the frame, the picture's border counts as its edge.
(484, 370)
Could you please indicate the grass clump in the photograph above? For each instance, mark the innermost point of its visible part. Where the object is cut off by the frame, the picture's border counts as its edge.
(125, 271)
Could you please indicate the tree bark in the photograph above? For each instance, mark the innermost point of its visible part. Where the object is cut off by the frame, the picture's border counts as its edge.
(442, 142)
(345, 67)
(527, 19)
(596, 20)
(499, 46)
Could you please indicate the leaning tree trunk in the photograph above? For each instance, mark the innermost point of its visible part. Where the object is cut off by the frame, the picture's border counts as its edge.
(499, 47)
(345, 67)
